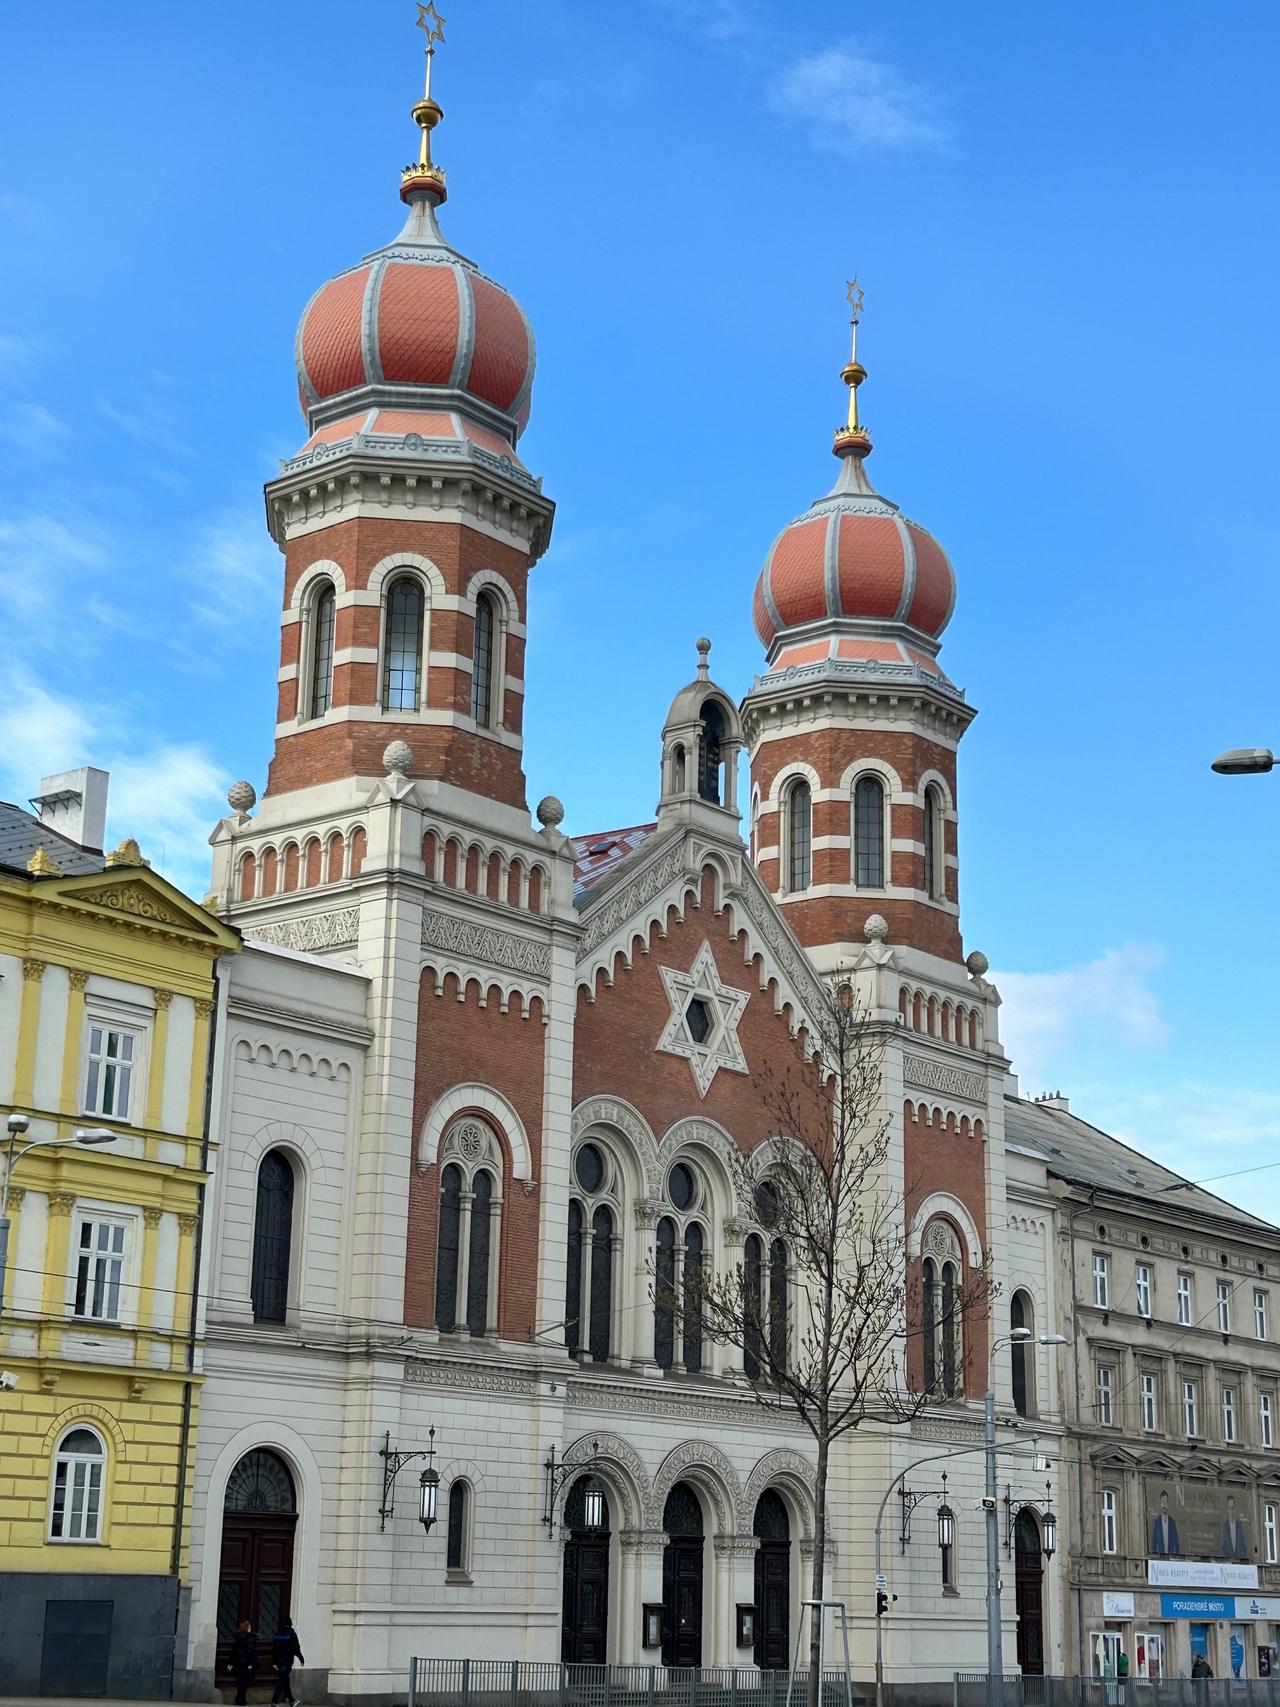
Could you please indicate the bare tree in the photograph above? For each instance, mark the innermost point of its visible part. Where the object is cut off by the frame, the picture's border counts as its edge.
(832, 1347)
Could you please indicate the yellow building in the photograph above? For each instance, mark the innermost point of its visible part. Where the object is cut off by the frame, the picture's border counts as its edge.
(107, 997)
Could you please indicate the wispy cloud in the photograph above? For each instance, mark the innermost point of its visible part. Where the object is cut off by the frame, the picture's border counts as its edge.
(235, 572)
(32, 427)
(854, 103)
(166, 794)
(18, 348)
(40, 555)
(1051, 1019)
(850, 98)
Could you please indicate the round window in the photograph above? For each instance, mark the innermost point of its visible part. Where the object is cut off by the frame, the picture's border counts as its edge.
(588, 1169)
(680, 1186)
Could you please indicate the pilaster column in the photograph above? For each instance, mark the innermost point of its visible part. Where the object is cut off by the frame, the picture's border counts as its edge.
(586, 1245)
(72, 1038)
(465, 1200)
(158, 1062)
(57, 1269)
(646, 1547)
(199, 1067)
(187, 1225)
(28, 1022)
(644, 1332)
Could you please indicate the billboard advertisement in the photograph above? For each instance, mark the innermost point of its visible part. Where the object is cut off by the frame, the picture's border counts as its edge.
(1197, 1520)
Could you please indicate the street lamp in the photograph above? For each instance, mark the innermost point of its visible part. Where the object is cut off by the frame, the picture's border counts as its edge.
(1048, 1529)
(946, 1526)
(1244, 761)
(16, 1126)
(429, 1490)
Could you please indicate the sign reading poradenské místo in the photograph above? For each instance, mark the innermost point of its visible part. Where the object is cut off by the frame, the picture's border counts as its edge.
(1193, 1573)
(1197, 1606)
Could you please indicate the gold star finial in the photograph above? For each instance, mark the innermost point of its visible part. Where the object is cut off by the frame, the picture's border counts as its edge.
(853, 291)
(426, 114)
(432, 26)
(852, 437)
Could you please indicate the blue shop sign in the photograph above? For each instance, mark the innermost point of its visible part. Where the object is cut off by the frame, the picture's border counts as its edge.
(1197, 1606)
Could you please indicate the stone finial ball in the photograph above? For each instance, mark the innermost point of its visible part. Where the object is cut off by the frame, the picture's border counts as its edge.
(241, 796)
(978, 963)
(875, 929)
(550, 813)
(398, 757)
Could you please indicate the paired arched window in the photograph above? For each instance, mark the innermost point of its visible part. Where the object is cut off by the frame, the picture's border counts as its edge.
(272, 1238)
(868, 833)
(79, 1474)
(469, 1235)
(1022, 1355)
(483, 682)
(933, 844)
(681, 1252)
(457, 1555)
(799, 825)
(591, 1254)
(402, 645)
(765, 1290)
(940, 1318)
(711, 752)
(324, 612)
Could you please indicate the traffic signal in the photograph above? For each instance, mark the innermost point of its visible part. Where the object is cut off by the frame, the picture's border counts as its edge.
(882, 1603)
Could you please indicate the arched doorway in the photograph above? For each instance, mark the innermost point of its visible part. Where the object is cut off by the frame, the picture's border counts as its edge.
(1029, 1578)
(585, 1619)
(255, 1580)
(773, 1583)
(682, 1578)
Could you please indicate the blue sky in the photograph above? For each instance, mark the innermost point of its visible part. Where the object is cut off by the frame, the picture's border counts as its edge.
(1064, 219)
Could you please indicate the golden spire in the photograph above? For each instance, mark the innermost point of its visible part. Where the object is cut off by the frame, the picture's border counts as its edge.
(423, 175)
(853, 439)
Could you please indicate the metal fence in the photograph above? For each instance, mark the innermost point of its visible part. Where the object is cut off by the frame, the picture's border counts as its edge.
(516, 1683)
(969, 1689)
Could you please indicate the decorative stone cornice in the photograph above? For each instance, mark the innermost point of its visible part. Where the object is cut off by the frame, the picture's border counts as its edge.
(945, 1078)
(312, 932)
(605, 914)
(735, 1546)
(468, 939)
(469, 1376)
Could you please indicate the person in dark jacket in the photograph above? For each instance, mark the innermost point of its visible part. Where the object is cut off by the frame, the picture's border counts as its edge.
(244, 1658)
(284, 1651)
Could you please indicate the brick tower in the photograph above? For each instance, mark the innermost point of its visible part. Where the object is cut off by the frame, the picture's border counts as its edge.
(853, 727)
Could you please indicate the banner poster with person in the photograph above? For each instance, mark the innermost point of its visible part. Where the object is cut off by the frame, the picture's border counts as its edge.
(1196, 1520)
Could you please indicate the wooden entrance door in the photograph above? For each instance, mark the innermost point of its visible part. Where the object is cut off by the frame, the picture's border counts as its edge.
(773, 1583)
(682, 1578)
(585, 1618)
(255, 1579)
(1029, 1580)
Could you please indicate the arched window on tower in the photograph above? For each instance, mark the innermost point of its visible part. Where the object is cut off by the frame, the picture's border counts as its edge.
(868, 833)
(681, 1250)
(323, 619)
(592, 1252)
(933, 843)
(470, 1231)
(941, 1322)
(402, 646)
(711, 753)
(799, 836)
(272, 1238)
(483, 685)
(1022, 1355)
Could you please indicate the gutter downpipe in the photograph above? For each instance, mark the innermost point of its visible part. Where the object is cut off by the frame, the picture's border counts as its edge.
(1079, 1210)
(193, 1320)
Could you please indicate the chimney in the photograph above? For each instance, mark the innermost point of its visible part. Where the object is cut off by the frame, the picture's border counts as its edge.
(74, 803)
(1055, 1099)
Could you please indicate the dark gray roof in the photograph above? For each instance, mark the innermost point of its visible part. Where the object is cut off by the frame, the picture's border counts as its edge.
(21, 833)
(1083, 1155)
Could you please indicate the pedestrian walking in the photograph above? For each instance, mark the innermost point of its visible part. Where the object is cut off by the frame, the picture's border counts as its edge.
(284, 1651)
(244, 1659)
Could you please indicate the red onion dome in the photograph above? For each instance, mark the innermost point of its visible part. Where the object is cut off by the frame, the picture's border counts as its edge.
(854, 556)
(416, 317)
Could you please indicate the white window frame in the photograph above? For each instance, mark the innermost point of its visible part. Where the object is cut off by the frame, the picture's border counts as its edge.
(1105, 1647)
(1266, 1420)
(80, 1488)
(1271, 1531)
(1230, 1432)
(98, 1213)
(1150, 1402)
(1190, 1408)
(1142, 1651)
(1259, 1313)
(1224, 1306)
(1142, 1288)
(107, 1020)
(1101, 1281)
(1184, 1299)
(1106, 1386)
(1108, 1522)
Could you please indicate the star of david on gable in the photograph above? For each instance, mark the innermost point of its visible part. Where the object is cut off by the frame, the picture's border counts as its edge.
(703, 1026)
